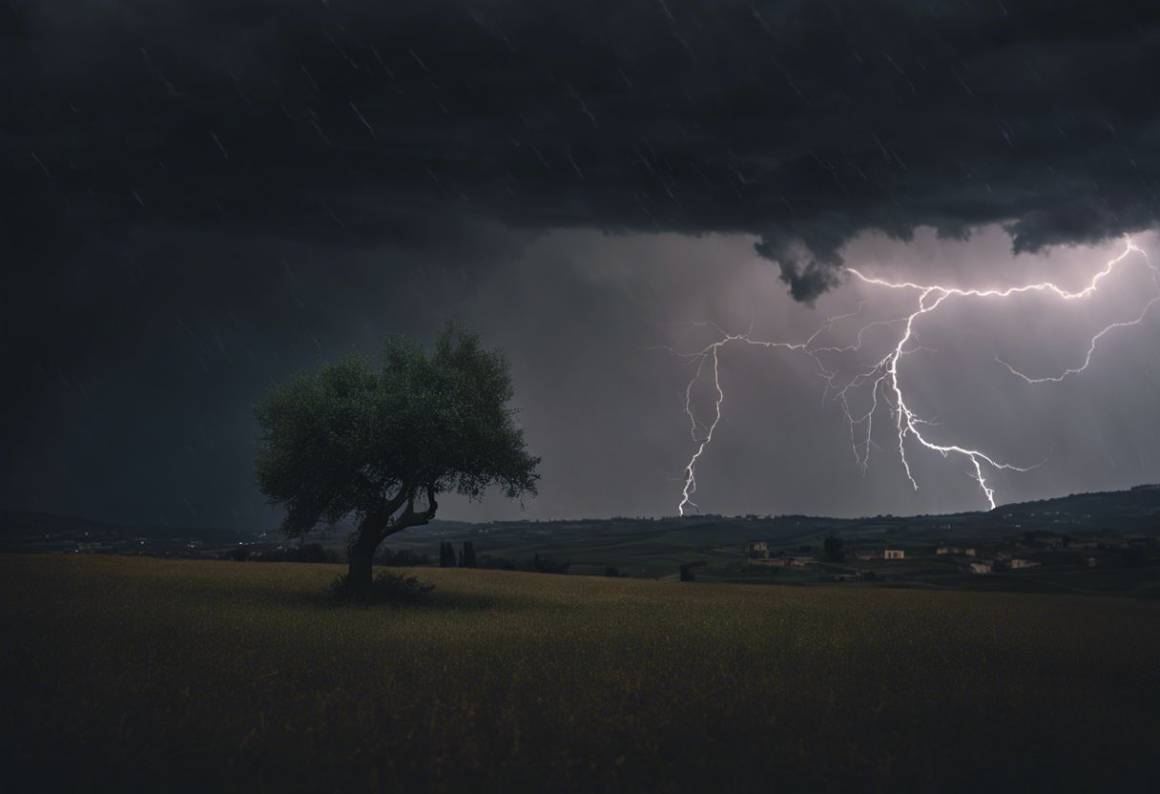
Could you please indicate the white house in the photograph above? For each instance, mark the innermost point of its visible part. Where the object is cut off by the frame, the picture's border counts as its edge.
(757, 551)
(784, 561)
(894, 554)
(980, 568)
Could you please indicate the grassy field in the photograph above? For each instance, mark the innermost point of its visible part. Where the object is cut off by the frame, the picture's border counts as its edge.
(126, 673)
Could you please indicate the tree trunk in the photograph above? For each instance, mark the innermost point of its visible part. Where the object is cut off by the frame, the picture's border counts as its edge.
(361, 556)
(358, 577)
(376, 525)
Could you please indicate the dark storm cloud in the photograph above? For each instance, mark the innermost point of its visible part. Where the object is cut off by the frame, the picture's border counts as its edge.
(201, 197)
(351, 123)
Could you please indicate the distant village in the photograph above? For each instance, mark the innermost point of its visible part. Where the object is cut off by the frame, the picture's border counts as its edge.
(1032, 550)
(1100, 542)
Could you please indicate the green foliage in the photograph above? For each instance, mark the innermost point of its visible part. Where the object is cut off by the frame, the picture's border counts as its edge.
(533, 564)
(834, 548)
(360, 438)
(403, 558)
(547, 565)
(688, 569)
(498, 563)
(387, 588)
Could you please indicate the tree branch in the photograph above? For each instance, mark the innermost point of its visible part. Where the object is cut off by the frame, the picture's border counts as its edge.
(411, 518)
(376, 521)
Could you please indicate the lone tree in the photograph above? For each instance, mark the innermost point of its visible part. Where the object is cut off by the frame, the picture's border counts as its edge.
(379, 443)
(834, 548)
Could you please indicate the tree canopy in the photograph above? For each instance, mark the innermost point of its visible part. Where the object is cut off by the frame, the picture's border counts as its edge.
(372, 440)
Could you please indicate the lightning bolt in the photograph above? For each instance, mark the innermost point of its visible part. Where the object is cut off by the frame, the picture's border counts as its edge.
(1107, 329)
(882, 379)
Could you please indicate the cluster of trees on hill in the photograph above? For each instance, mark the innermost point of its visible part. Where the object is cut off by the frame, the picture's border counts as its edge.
(448, 558)
(536, 564)
(834, 548)
(403, 558)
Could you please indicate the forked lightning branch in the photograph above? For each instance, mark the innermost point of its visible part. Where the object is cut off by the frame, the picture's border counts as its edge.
(881, 383)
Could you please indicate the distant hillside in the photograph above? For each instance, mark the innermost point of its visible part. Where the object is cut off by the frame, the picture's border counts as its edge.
(1141, 502)
(594, 541)
(646, 545)
(15, 524)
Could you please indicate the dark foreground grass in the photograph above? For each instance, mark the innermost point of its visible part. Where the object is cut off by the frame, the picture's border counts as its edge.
(142, 674)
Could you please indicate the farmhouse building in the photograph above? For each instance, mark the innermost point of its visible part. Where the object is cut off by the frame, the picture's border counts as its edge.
(1018, 563)
(757, 553)
(980, 568)
(757, 550)
(783, 561)
(894, 554)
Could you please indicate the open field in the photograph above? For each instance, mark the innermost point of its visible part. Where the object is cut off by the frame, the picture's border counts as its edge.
(152, 674)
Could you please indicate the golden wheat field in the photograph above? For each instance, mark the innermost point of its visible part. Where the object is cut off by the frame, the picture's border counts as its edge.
(147, 674)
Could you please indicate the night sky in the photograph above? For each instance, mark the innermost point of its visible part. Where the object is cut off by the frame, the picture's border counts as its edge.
(202, 198)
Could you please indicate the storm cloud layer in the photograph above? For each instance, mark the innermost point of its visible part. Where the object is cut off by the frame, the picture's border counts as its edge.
(801, 122)
(203, 197)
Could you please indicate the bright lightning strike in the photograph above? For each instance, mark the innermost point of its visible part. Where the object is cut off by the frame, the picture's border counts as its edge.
(1095, 340)
(882, 379)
